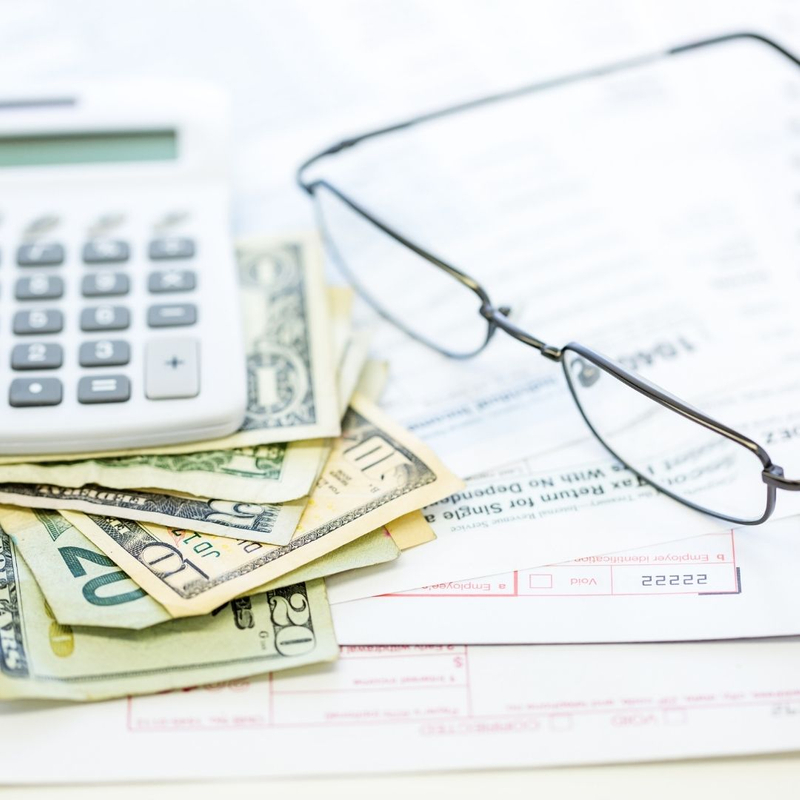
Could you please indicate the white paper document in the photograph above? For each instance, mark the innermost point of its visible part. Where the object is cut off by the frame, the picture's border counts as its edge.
(728, 585)
(576, 501)
(425, 708)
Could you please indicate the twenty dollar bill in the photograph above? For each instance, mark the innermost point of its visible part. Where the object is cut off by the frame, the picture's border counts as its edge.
(39, 657)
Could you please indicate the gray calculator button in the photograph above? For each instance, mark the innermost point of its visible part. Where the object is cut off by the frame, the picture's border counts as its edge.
(105, 353)
(171, 316)
(105, 251)
(36, 356)
(38, 320)
(104, 389)
(172, 280)
(40, 255)
(105, 284)
(172, 369)
(105, 318)
(35, 392)
(39, 287)
(171, 247)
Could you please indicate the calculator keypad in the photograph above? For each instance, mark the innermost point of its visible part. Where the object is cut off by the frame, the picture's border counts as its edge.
(100, 267)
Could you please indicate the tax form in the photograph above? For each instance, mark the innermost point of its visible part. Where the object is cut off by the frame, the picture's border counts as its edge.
(729, 585)
(575, 501)
(391, 709)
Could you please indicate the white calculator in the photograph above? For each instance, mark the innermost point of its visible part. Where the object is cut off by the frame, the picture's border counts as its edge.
(119, 312)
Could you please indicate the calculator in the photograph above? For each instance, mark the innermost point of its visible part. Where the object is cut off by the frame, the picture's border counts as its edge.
(120, 323)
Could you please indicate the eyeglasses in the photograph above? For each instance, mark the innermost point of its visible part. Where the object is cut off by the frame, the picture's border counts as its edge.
(665, 441)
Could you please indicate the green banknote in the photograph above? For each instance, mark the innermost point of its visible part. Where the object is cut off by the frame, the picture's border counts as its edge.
(81, 584)
(84, 587)
(39, 657)
(272, 524)
(271, 473)
(376, 473)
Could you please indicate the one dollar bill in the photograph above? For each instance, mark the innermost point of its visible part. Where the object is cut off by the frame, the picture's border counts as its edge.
(267, 473)
(40, 657)
(376, 472)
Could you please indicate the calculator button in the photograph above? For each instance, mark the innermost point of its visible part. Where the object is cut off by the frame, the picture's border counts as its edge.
(105, 353)
(105, 251)
(105, 284)
(172, 369)
(36, 356)
(172, 280)
(171, 316)
(38, 320)
(40, 255)
(104, 389)
(39, 287)
(35, 392)
(171, 247)
(105, 318)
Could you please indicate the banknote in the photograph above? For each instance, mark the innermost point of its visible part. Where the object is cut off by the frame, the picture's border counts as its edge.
(376, 473)
(410, 530)
(85, 587)
(290, 363)
(373, 378)
(267, 473)
(353, 363)
(376, 547)
(340, 314)
(40, 657)
(273, 524)
(81, 584)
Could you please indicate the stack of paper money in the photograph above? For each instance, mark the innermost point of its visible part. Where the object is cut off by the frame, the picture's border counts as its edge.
(126, 573)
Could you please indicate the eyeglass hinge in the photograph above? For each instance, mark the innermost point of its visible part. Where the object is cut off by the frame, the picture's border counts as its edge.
(773, 476)
(553, 353)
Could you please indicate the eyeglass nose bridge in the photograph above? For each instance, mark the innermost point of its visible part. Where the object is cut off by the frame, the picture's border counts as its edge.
(499, 318)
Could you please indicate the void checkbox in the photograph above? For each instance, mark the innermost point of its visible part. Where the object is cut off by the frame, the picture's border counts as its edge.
(540, 580)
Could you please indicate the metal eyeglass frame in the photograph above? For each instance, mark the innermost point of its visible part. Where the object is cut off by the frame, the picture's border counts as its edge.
(497, 317)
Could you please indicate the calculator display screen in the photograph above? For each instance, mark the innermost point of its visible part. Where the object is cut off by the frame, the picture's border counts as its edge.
(88, 148)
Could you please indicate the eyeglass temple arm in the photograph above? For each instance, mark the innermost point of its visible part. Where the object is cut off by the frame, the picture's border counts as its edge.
(773, 476)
